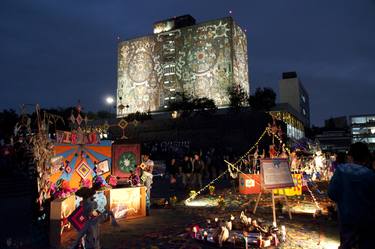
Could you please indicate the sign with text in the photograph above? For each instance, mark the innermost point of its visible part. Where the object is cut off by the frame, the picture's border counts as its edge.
(77, 137)
(276, 173)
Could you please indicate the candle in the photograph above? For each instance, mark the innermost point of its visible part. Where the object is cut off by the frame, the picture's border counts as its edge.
(245, 234)
(283, 234)
(195, 232)
(205, 235)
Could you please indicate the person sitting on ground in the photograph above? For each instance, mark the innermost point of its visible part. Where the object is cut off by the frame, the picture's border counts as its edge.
(352, 187)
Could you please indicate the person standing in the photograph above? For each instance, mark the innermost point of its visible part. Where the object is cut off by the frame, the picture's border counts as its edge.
(198, 169)
(352, 187)
(148, 167)
(172, 170)
(187, 171)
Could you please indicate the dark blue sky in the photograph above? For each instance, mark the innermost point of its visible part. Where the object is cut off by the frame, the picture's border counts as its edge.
(56, 52)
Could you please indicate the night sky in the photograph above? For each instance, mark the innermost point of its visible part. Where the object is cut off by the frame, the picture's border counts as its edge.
(56, 52)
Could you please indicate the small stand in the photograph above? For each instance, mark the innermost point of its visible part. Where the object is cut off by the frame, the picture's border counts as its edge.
(273, 204)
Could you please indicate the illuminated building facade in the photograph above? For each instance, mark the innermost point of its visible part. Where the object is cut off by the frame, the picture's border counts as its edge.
(294, 125)
(201, 60)
(363, 129)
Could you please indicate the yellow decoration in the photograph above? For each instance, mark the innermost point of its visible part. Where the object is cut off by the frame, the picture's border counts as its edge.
(296, 190)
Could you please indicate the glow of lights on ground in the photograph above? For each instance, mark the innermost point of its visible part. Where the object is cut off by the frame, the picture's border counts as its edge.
(204, 202)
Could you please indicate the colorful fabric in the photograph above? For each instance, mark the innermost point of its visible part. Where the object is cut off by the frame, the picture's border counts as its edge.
(83, 170)
(77, 218)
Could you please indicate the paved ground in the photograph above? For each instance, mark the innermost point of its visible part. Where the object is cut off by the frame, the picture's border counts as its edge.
(169, 228)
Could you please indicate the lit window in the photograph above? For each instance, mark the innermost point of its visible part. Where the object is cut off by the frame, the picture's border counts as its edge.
(358, 120)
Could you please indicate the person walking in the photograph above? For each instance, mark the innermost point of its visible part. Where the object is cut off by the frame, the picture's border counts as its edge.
(352, 187)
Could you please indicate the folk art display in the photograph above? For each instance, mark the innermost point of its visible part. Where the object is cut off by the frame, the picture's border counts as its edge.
(83, 162)
(125, 158)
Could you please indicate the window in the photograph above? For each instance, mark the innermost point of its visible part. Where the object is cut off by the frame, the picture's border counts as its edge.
(303, 98)
(358, 120)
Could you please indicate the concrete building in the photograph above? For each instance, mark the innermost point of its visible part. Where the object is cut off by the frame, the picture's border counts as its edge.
(363, 129)
(293, 93)
(201, 60)
(335, 136)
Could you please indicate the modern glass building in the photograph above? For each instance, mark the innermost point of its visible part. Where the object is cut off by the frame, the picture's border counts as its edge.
(201, 60)
(363, 129)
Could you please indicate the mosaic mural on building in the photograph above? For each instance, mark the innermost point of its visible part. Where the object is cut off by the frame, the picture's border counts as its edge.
(138, 73)
(201, 60)
(240, 61)
(204, 63)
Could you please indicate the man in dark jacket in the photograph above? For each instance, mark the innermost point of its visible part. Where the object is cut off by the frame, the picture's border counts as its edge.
(352, 187)
(187, 171)
(198, 169)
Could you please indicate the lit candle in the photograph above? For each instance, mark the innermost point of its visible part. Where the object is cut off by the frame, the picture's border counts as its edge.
(283, 234)
(195, 232)
(245, 234)
(205, 235)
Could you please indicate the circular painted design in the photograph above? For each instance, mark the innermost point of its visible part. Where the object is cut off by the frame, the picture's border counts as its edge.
(140, 67)
(127, 162)
(202, 58)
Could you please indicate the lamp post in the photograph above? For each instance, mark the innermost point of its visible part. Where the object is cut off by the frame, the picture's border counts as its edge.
(110, 100)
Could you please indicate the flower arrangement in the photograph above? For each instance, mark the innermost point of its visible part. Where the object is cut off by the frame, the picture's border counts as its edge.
(211, 189)
(112, 181)
(99, 183)
(192, 194)
(221, 201)
(85, 183)
(61, 189)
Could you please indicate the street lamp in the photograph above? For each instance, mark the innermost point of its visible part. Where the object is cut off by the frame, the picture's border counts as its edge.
(109, 100)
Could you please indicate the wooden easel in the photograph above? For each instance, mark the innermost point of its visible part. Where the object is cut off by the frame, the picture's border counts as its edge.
(273, 204)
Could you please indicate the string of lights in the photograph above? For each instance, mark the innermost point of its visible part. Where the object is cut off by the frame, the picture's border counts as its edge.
(226, 171)
(313, 197)
(240, 161)
(311, 193)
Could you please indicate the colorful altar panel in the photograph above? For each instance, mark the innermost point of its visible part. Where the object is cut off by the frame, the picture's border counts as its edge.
(80, 160)
(125, 158)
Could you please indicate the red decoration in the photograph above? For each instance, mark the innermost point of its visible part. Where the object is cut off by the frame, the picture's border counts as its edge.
(77, 219)
(117, 151)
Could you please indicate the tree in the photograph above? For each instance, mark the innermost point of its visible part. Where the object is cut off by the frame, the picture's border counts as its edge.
(263, 99)
(237, 97)
(185, 104)
(8, 120)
